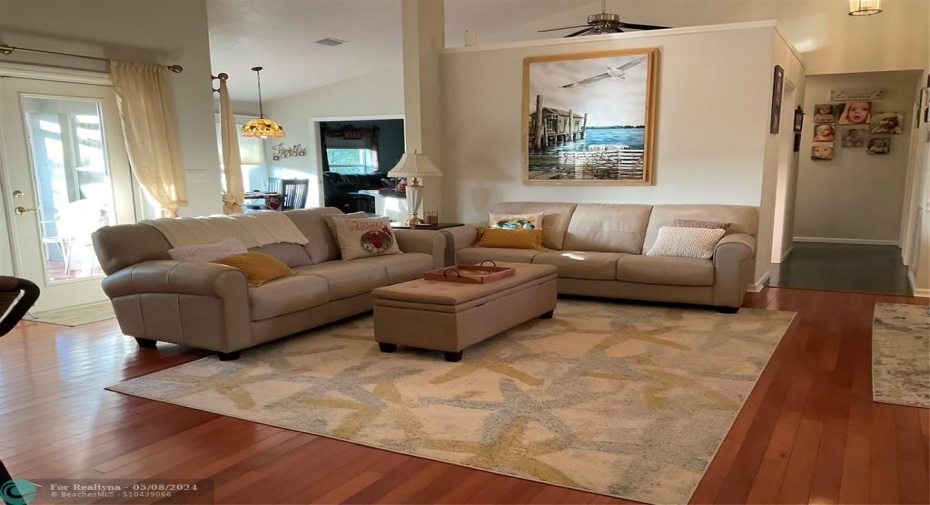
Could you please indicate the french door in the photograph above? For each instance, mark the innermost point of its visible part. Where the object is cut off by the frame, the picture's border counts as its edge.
(65, 174)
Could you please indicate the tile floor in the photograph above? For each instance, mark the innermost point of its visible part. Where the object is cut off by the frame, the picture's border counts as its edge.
(843, 267)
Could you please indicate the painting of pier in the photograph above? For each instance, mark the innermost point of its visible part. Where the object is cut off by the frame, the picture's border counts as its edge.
(589, 118)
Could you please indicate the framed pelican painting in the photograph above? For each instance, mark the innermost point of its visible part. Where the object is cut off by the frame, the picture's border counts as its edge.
(589, 118)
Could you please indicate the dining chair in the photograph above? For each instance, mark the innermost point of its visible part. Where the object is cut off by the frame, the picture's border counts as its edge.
(17, 296)
(294, 193)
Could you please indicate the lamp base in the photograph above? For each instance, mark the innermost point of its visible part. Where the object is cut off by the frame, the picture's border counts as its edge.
(413, 220)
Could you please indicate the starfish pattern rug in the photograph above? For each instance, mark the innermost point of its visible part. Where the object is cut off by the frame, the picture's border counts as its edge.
(901, 354)
(624, 400)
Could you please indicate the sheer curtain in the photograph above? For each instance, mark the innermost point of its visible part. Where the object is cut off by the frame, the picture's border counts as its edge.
(234, 193)
(150, 128)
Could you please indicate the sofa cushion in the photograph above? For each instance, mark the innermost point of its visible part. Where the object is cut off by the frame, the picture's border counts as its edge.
(475, 255)
(666, 270)
(287, 295)
(347, 278)
(555, 218)
(744, 219)
(401, 267)
(582, 264)
(321, 245)
(608, 228)
(292, 255)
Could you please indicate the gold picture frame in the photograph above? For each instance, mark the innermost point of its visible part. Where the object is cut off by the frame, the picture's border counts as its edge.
(597, 115)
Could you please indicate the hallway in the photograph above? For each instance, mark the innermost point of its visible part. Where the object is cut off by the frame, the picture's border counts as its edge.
(844, 267)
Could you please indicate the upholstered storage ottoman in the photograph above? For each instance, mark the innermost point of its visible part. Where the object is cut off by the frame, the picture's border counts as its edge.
(450, 316)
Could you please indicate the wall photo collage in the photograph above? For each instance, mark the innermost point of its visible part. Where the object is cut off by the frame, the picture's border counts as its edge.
(854, 125)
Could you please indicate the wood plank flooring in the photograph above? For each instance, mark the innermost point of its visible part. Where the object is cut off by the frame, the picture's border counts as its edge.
(809, 432)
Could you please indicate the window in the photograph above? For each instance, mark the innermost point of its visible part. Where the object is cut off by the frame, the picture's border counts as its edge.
(351, 161)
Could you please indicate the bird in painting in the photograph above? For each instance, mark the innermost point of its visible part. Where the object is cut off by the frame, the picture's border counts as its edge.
(612, 73)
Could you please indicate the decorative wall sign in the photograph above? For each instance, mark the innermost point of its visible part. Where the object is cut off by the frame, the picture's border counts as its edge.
(279, 151)
(589, 118)
(845, 95)
(799, 119)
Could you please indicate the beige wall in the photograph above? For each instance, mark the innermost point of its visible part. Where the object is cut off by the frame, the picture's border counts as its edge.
(856, 197)
(714, 96)
(149, 31)
(829, 39)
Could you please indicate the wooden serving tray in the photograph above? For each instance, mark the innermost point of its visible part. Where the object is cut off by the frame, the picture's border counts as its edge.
(469, 274)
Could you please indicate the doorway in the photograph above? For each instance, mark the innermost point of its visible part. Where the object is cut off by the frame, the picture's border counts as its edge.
(66, 174)
(851, 184)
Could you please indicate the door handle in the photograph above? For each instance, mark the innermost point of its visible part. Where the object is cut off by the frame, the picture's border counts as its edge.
(23, 210)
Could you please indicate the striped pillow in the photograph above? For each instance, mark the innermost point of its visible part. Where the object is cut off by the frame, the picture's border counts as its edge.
(697, 223)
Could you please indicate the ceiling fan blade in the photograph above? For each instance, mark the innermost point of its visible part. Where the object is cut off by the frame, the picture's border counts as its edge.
(580, 32)
(563, 28)
(636, 26)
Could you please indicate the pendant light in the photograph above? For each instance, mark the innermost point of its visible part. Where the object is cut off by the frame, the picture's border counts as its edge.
(864, 7)
(261, 127)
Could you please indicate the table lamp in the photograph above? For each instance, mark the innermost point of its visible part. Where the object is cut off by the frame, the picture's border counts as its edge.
(414, 167)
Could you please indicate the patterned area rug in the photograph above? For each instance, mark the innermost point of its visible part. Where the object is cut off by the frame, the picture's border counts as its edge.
(901, 354)
(631, 401)
(75, 316)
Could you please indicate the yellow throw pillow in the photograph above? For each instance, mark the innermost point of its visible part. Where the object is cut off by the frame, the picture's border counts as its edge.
(259, 268)
(513, 239)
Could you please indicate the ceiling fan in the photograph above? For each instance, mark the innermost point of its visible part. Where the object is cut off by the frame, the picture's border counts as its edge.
(604, 22)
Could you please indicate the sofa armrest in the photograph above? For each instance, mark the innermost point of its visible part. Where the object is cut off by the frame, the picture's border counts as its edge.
(461, 237)
(176, 277)
(733, 269)
(423, 241)
(736, 248)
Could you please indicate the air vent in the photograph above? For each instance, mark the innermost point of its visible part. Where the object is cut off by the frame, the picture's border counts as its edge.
(329, 41)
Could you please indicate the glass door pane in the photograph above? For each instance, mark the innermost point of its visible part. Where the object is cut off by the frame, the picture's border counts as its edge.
(74, 193)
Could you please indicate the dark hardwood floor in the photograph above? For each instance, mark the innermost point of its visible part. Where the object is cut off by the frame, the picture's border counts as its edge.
(809, 432)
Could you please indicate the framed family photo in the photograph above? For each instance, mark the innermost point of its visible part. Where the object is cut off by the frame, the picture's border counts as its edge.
(778, 88)
(589, 118)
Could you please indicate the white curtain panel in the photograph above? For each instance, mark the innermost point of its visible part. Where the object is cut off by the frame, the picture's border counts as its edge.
(143, 93)
(234, 191)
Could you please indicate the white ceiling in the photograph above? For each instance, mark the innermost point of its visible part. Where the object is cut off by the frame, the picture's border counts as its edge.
(280, 36)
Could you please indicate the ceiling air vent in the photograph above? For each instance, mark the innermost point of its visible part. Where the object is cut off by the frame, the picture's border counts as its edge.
(331, 42)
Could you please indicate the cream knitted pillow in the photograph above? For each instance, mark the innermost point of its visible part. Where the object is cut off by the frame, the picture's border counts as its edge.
(686, 242)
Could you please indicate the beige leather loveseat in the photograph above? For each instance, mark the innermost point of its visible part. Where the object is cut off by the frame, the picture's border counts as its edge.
(209, 306)
(598, 249)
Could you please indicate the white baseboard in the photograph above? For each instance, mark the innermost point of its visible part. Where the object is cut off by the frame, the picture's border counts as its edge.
(860, 241)
(759, 284)
(919, 292)
(784, 256)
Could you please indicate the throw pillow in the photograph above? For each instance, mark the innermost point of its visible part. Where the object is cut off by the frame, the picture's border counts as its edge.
(686, 242)
(516, 221)
(361, 238)
(259, 268)
(208, 252)
(329, 218)
(513, 239)
(697, 223)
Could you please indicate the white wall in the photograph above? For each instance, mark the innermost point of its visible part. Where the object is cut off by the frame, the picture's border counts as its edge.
(377, 94)
(148, 31)
(829, 39)
(713, 105)
(856, 197)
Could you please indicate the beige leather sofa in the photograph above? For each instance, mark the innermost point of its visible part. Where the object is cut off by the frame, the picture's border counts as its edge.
(209, 306)
(598, 249)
